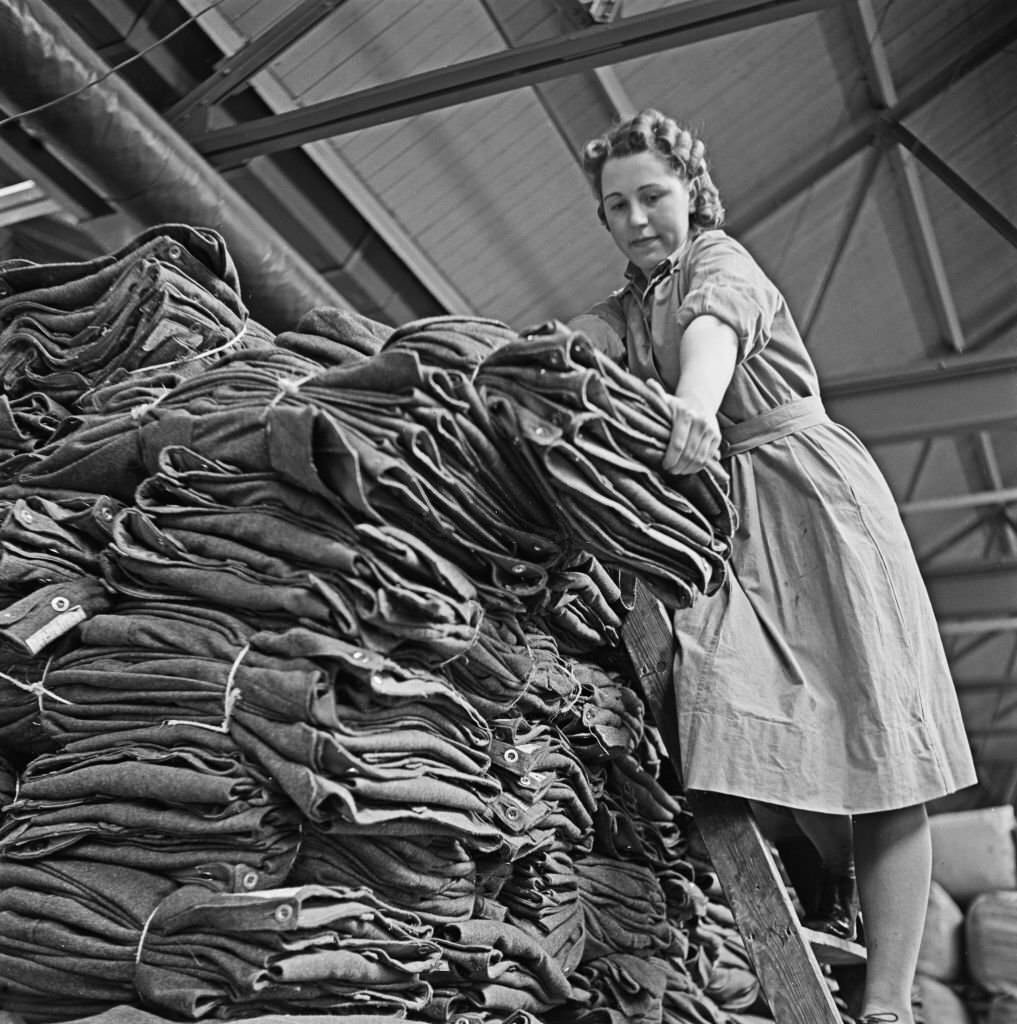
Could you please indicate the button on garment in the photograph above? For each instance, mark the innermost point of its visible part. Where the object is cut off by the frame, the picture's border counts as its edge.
(815, 676)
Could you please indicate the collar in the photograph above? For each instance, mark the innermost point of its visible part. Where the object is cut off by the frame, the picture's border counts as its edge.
(641, 284)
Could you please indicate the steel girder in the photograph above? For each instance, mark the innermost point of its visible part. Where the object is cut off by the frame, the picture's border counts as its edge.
(960, 395)
(638, 36)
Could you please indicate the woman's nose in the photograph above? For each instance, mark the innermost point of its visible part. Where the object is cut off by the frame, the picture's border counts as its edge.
(637, 215)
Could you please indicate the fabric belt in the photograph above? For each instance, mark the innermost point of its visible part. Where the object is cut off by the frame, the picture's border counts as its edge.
(773, 425)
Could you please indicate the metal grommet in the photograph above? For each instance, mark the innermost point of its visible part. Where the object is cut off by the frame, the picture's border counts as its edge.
(358, 655)
(518, 569)
(60, 604)
(249, 879)
(511, 756)
(283, 913)
(511, 813)
(526, 780)
(27, 516)
(174, 252)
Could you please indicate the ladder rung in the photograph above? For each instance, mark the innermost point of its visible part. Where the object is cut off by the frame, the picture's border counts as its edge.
(829, 949)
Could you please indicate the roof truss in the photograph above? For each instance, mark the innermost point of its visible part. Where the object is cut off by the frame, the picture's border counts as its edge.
(639, 36)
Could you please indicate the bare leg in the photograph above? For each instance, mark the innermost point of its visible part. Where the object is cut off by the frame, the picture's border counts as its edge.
(835, 907)
(893, 855)
(830, 834)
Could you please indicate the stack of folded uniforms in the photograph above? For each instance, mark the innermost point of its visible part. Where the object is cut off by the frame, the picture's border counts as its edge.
(313, 679)
(373, 747)
(590, 437)
(73, 335)
(69, 932)
(258, 545)
(175, 800)
(305, 949)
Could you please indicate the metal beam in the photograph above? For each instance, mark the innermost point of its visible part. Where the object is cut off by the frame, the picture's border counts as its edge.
(639, 36)
(957, 396)
(769, 203)
(919, 468)
(613, 93)
(884, 96)
(338, 172)
(973, 687)
(992, 215)
(848, 224)
(542, 93)
(987, 463)
(607, 101)
(236, 70)
(965, 627)
(137, 32)
(952, 502)
(996, 751)
(973, 589)
(954, 537)
(976, 686)
(24, 201)
(28, 157)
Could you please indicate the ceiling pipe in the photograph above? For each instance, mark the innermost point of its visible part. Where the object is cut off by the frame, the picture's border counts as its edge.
(101, 128)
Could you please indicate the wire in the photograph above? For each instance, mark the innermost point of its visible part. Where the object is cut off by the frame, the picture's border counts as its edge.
(114, 69)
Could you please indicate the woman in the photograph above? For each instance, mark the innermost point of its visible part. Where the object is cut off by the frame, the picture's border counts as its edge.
(815, 679)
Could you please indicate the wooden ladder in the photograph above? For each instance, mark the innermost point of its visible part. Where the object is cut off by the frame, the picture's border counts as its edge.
(786, 956)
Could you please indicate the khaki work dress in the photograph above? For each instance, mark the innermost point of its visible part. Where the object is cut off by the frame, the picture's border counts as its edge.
(815, 678)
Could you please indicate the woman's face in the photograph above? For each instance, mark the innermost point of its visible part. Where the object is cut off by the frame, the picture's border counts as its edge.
(646, 206)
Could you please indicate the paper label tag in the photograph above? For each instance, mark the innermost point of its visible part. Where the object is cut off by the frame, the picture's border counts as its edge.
(56, 627)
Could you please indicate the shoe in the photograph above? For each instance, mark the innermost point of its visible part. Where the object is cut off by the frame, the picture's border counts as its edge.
(837, 906)
(877, 1018)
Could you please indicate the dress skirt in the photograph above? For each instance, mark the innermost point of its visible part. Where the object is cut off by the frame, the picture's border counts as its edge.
(816, 677)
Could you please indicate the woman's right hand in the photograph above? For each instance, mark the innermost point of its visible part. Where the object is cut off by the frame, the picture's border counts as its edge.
(695, 434)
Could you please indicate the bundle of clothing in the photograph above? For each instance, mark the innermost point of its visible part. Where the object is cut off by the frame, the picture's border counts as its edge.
(311, 700)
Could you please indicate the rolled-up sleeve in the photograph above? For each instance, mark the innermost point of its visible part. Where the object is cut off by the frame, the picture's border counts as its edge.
(604, 325)
(724, 280)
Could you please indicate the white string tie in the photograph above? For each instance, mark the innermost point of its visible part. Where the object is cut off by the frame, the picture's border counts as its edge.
(38, 687)
(229, 699)
(470, 645)
(224, 347)
(137, 411)
(289, 387)
(144, 933)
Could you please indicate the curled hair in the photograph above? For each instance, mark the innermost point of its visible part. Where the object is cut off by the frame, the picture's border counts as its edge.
(650, 131)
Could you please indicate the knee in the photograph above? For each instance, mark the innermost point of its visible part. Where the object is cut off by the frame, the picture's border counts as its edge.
(900, 822)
